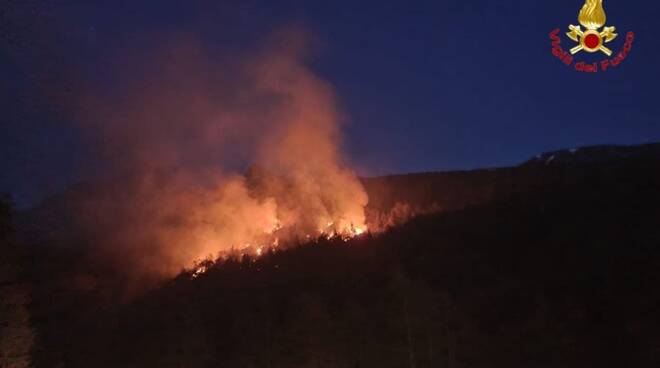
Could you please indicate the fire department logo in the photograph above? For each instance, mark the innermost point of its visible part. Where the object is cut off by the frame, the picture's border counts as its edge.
(592, 17)
(591, 39)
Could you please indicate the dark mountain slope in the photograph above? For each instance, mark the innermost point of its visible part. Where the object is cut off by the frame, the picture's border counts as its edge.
(608, 155)
(558, 265)
(543, 173)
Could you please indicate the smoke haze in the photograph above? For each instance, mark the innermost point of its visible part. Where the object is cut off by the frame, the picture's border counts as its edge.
(173, 137)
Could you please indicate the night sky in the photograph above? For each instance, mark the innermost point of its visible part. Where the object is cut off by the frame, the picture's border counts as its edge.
(438, 85)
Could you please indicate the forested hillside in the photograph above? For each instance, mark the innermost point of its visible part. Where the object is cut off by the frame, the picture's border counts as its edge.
(535, 266)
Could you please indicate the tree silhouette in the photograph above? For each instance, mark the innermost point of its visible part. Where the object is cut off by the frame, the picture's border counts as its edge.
(16, 335)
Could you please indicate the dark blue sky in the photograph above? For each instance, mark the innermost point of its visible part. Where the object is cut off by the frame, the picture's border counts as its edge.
(427, 85)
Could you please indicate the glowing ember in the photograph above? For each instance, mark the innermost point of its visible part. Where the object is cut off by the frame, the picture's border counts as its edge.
(199, 271)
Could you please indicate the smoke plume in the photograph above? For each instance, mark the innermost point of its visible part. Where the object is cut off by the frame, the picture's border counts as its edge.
(175, 141)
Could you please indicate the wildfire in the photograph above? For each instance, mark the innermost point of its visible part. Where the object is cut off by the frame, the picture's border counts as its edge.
(201, 266)
(179, 198)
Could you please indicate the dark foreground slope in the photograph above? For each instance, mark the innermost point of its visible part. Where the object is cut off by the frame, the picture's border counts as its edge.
(558, 266)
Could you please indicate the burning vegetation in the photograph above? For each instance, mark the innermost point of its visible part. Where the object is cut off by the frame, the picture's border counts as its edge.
(175, 139)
